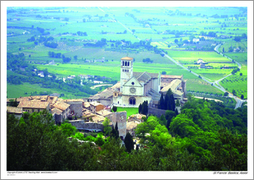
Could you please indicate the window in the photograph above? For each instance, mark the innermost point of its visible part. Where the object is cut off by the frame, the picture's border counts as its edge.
(132, 101)
(125, 63)
(128, 63)
(132, 83)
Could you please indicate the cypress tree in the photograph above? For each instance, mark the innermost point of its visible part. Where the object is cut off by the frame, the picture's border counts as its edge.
(116, 131)
(140, 109)
(128, 141)
(172, 102)
(161, 102)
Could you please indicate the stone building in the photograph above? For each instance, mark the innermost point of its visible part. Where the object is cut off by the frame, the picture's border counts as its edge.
(76, 106)
(61, 111)
(94, 107)
(135, 87)
(16, 111)
(34, 105)
(177, 86)
(120, 119)
(105, 97)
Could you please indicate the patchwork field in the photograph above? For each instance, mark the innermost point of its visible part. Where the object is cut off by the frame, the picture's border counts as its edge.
(160, 25)
(189, 57)
(237, 83)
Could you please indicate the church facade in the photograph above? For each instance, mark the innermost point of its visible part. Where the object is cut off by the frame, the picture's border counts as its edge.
(135, 87)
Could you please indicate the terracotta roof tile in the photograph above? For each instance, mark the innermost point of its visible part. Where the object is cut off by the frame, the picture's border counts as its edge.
(56, 111)
(61, 105)
(14, 110)
(127, 58)
(33, 104)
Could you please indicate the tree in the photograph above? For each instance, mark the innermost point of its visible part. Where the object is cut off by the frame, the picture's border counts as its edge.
(177, 102)
(176, 41)
(226, 94)
(169, 101)
(106, 126)
(234, 92)
(139, 108)
(68, 129)
(144, 108)
(114, 108)
(117, 132)
(161, 102)
(128, 141)
(13, 102)
(169, 115)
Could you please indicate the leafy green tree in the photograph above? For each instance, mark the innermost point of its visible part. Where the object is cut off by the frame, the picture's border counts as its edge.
(183, 126)
(99, 139)
(68, 129)
(163, 120)
(169, 115)
(128, 141)
(226, 94)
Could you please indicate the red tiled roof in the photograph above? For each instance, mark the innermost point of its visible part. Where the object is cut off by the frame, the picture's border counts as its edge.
(36, 104)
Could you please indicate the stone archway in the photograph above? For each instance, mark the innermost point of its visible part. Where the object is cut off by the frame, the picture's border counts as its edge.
(132, 101)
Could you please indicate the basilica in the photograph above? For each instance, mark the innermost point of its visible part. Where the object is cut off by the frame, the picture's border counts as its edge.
(137, 87)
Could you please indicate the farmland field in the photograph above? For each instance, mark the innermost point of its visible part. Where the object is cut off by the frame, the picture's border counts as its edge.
(189, 57)
(123, 28)
(237, 83)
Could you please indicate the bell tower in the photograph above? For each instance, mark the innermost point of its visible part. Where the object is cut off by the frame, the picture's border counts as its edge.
(126, 70)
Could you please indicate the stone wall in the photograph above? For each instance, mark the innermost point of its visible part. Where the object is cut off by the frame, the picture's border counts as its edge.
(81, 125)
(156, 112)
(120, 118)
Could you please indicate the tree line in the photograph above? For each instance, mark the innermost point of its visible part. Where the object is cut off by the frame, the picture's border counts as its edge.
(205, 137)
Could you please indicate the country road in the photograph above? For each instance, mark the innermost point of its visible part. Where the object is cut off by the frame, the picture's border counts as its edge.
(215, 84)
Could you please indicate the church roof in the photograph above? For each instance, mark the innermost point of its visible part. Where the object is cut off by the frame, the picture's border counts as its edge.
(152, 75)
(144, 77)
(173, 85)
(127, 58)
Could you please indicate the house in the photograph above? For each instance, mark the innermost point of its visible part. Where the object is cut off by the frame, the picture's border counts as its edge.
(200, 61)
(61, 109)
(76, 106)
(94, 107)
(34, 105)
(16, 111)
